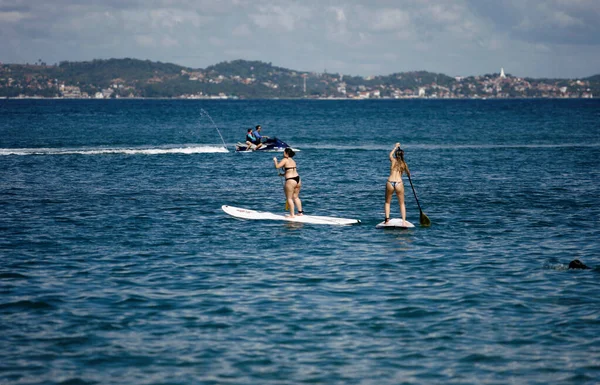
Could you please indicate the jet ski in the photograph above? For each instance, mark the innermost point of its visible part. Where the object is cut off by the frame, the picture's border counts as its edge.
(268, 145)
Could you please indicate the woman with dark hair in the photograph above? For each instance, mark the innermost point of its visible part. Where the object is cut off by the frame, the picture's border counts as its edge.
(394, 183)
(292, 183)
(251, 142)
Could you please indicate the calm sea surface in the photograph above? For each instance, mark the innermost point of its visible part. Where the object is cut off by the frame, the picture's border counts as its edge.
(118, 265)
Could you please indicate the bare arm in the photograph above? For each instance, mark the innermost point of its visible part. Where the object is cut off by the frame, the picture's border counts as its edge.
(393, 152)
(280, 164)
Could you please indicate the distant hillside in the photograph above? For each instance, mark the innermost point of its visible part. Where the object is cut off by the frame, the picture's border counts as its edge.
(105, 71)
(247, 69)
(594, 79)
(120, 78)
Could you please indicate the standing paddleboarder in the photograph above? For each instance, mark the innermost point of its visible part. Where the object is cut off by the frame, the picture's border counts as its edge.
(394, 182)
(292, 183)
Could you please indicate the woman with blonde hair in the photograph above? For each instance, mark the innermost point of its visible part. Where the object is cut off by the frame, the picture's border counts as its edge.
(292, 183)
(394, 182)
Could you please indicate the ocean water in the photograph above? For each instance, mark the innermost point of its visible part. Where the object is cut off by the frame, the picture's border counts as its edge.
(118, 265)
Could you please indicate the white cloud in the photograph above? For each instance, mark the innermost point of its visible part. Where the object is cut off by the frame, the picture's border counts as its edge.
(542, 48)
(445, 13)
(340, 15)
(216, 42)
(563, 20)
(336, 25)
(169, 41)
(12, 17)
(390, 20)
(280, 18)
(357, 36)
(145, 40)
(241, 31)
(495, 44)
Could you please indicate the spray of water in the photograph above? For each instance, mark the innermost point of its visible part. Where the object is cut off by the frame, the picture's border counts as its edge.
(204, 113)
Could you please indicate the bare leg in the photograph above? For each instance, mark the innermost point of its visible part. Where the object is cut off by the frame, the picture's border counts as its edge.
(297, 200)
(400, 195)
(289, 195)
(389, 191)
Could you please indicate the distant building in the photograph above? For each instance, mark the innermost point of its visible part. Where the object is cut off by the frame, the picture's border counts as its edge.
(502, 75)
(70, 92)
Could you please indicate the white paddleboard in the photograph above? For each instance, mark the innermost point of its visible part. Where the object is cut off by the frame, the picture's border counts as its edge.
(314, 219)
(395, 223)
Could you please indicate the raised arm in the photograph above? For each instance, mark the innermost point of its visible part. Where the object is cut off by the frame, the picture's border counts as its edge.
(394, 151)
(280, 164)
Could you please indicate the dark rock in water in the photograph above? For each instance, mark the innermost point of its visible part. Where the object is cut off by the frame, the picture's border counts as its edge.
(577, 264)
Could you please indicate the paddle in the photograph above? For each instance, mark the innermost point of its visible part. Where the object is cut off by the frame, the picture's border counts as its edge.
(422, 218)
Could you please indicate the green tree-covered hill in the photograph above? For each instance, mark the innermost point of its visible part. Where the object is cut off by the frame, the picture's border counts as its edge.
(255, 79)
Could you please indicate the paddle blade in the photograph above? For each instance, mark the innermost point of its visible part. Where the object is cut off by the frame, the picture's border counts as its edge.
(287, 206)
(424, 220)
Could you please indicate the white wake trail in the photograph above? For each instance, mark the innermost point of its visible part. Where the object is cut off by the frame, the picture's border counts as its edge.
(188, 150)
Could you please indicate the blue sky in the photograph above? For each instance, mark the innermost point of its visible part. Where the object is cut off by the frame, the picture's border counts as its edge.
(535, 38)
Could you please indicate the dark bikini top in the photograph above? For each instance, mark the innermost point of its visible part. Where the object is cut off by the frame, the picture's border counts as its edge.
(289, 168)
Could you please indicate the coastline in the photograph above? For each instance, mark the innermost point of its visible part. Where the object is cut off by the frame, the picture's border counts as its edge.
(316, 99)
